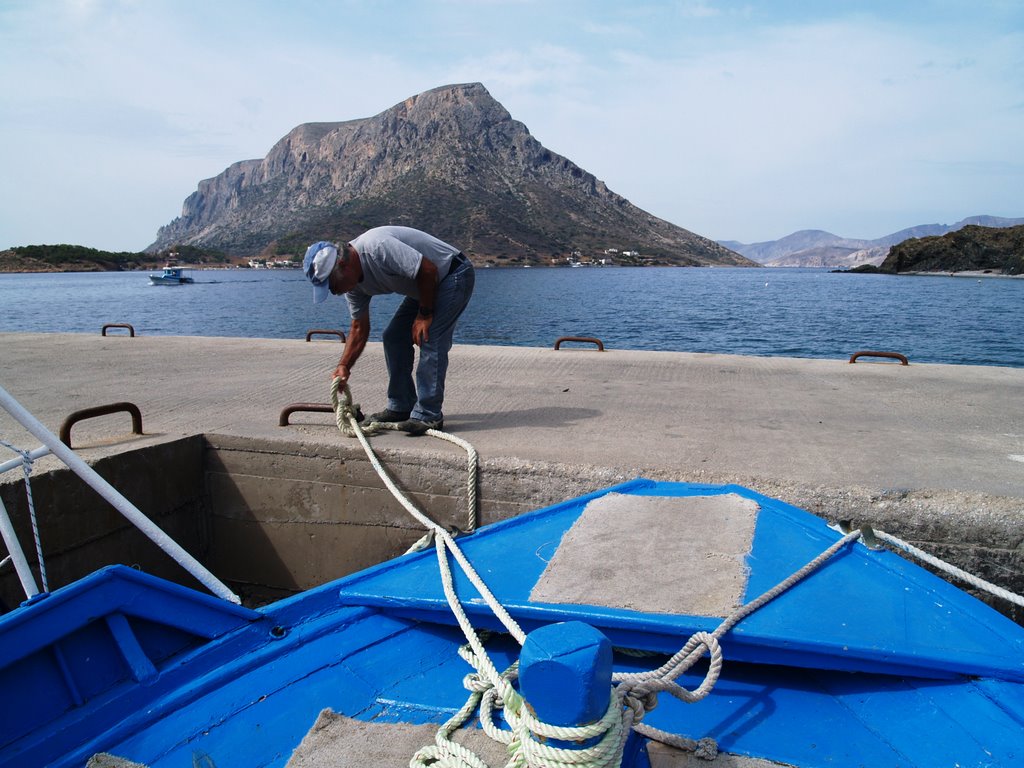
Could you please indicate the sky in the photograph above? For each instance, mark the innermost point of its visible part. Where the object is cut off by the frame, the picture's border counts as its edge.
(736, 120)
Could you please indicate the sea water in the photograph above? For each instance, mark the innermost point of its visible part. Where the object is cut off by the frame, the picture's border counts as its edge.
(773, 312)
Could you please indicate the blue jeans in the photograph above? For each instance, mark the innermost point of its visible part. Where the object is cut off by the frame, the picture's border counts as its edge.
(425, 398)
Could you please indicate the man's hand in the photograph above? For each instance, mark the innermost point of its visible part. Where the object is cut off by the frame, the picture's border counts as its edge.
(354, 344)
(421, 330)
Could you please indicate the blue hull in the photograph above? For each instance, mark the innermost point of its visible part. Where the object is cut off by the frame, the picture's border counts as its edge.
(869, 661)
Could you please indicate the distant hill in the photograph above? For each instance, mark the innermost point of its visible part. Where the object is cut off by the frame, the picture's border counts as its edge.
(817, 248)
(67, 258)
(970, 249)
(79, 258)
(451, 161)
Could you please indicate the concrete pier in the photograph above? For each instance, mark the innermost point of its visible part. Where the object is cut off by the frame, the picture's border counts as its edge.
(931, 453)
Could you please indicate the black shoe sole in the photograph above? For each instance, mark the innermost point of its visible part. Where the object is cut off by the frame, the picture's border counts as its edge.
(414, 427)
(391, 418)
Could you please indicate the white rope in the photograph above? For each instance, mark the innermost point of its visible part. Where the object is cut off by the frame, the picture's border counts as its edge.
(345, 413)
(26, 469)
(640, 689)
(951, 569)
(523, 738)
(489, 689)
(443, 539)
(632, 694)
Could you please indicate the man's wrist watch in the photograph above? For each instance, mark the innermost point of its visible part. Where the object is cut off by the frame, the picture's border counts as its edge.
(426, 311)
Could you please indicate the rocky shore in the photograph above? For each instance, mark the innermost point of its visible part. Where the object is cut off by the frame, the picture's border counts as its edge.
(984, 273)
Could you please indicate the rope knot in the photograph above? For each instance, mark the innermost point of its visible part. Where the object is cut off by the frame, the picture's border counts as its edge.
(474, 682)
(26, 456)
(707, 749)
(639, 697)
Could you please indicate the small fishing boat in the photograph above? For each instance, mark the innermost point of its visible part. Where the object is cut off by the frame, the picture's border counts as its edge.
(172, 275)
(756, 628)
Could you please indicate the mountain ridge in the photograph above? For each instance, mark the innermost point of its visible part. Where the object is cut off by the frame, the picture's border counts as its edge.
(973, 248)
(818, 248)
(450, 160)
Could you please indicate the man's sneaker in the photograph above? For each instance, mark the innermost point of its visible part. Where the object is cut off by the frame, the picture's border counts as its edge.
(417, 427)
(388, 416)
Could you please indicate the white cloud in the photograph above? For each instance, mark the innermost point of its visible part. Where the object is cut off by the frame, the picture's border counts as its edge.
(800, 125)
(709, 114)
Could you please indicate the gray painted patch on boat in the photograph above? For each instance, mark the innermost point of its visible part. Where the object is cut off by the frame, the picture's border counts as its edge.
(655, 554)
(105, 760)
(337, 741)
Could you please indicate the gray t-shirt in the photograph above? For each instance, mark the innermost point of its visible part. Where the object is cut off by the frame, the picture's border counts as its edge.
(390, 258)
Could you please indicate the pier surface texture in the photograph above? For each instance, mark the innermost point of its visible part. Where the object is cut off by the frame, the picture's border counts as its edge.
(931, 453)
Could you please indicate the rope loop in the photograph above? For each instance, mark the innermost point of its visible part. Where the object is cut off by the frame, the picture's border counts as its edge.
(344, 410)
(347, 416)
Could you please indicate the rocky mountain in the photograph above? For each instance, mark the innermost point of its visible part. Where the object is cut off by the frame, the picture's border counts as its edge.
(972, 248)
(817, 248)
(451, 161)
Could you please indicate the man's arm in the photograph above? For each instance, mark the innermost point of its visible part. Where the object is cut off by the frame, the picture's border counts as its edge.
(358, 334)
(426, 285)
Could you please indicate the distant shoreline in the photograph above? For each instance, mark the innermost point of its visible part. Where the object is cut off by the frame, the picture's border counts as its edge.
(966, 273)
(83, 268)
(90, 269)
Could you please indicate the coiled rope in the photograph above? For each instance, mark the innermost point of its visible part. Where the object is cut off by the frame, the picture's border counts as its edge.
(26, 470)
(490, 690)
(446, 752)
(632, 694)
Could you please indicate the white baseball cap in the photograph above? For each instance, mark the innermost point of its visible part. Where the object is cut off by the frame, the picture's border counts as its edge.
(318, 265)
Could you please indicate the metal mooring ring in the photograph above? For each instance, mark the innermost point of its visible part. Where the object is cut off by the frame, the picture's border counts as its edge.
(584, 339)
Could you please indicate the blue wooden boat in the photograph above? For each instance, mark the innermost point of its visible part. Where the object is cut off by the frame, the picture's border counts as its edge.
(171, 276)
(867, 660)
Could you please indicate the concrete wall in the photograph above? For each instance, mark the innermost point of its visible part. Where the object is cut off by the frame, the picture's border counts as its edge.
(81, 532)
(269, 519)
(288, 516)
(272, 518)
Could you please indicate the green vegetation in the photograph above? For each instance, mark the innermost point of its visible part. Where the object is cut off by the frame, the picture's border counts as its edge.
(191, 254)
(79, 258)
(972, 248)
(294, 244)
(57, 255)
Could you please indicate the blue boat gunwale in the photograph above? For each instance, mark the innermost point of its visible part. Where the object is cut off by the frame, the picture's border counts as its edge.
(293, 626)
(261, 639)
(115, 590)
